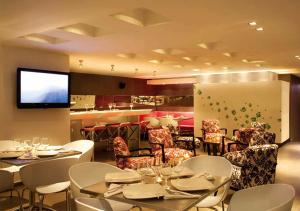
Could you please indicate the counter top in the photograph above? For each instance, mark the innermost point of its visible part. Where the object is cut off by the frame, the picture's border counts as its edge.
(107, 113)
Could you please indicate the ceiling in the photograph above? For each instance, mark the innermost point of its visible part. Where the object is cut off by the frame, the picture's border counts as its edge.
(223, 27)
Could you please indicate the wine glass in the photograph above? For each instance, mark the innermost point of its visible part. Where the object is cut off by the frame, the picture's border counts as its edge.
(110, 106)
(86, 106)
(166, 172)
(114, 106)
(178, 168)
(131, 106)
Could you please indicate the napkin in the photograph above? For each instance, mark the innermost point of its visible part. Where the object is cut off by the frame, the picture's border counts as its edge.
(113, 189)
(28, 156)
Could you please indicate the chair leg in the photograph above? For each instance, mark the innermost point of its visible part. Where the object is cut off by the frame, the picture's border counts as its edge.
(19, 199)
(41, 199)
(67, 200)
(223, 209)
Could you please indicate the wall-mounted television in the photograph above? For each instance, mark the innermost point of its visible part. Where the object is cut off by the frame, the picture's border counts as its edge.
(42, 89)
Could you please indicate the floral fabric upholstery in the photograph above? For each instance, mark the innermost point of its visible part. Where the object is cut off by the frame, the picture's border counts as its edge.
(122, 156)
(261, 138)
(174, 154)
(259, 125)
(211, 125)
(253, 166)
(163, 136)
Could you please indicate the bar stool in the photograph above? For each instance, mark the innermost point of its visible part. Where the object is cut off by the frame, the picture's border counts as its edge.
(143, 128)
(100, 132)
(112, 132)
(123, 130)
(87, 132)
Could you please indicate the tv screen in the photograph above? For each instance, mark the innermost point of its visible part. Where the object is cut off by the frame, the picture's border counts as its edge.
(42, 89)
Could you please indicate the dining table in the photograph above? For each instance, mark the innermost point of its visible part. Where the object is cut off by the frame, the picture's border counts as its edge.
(175, 204)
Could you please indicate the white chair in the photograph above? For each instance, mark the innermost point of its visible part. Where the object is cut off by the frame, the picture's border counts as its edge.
(7, 183)
(92, 204)
(89, 173)
(271, 197)
(216, 166)
(86, 147)
(47, 177)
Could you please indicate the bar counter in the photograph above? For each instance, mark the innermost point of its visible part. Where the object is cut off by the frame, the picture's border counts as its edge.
(107, 113)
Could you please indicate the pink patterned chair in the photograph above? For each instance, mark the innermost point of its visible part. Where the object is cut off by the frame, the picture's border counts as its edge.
(212, 134)
(126, 159)
(162, 145)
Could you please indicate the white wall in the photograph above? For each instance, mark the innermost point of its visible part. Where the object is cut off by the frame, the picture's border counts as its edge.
(285, 110)
(235, 104)
(27, 123)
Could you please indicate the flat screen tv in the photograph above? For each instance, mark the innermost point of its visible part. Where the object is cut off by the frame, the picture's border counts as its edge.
(42, 89)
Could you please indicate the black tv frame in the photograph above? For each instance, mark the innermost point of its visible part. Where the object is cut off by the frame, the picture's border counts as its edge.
(41, 105)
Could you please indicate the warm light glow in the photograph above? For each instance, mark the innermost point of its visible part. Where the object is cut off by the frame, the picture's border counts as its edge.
(128, 19)
(187, 58)
(178, 66)
(253, 23)
(259, 29)
(154, 61)
(208, 63)
(227, 54)
(196, 70)
(203, 45)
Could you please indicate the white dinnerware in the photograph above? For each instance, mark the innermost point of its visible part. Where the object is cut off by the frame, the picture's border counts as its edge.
(192, 184)
(143, 191)
(122, 177)
(46, 153)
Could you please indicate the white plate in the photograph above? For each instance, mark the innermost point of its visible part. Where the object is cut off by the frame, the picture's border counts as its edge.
(50, 148)
(46, 153)
(186, 172)
(192, 184)
(122, 177)
(143, 191)
(10, 154)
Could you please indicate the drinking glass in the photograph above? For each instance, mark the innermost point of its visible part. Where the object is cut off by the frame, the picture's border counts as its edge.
(110, 106)
(86, 106)
(131, 106)
(44, 143)
(36, 142)
(166, 172)
(114, 106)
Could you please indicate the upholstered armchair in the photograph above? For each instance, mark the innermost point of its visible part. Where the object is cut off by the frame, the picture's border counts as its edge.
(256, 165)
(131, 159)
(162, 145)
(213, 133)
(250, 136)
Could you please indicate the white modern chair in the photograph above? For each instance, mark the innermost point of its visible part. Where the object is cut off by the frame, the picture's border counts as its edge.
(271, 197)
(92, 204)
(216, 166)
(86, 147)
(7, 183)
(47, 177)
(89, 173)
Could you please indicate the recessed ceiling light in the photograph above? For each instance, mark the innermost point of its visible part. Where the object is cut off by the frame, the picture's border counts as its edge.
(196, 70)
(82, 29)
(253, 23)
(258, 65)
(259, 29)
(187, 58)
(41, 38)
(225, 68)
(154, 61)
(208, 63)
(203, 45)
(126, 55)
(178, 66)
(252, 61)
(227, 54)
(168, 51)
(297, 57)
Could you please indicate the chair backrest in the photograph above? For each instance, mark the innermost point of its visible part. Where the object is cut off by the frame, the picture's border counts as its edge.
(214, 165)
(261, 155)
(86, 147)
(120, 149)
(271, 197)
(259, 125)
(161, 136)
(7, 144)
(6, 180)
(92, 204)
(88, 173)
(46, 172)
(211, 125)
(245, 134)
(262, 137)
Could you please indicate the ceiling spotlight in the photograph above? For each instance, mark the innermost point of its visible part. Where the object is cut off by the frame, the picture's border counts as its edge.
(253, 23)
(207, 63)
(196, 70)
(154, 61)
(225, 68)
(258, 65)
(203, 45)
(227, 54)
(259, 29)
(297, 57)
(187, 58)
(178, 66)
(112, 67)
(80, 63)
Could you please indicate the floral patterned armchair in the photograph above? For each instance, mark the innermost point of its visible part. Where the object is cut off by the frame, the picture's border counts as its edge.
(126, 159)
(256, 165)
(212, 133)
(162, 145)
(250, 136)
